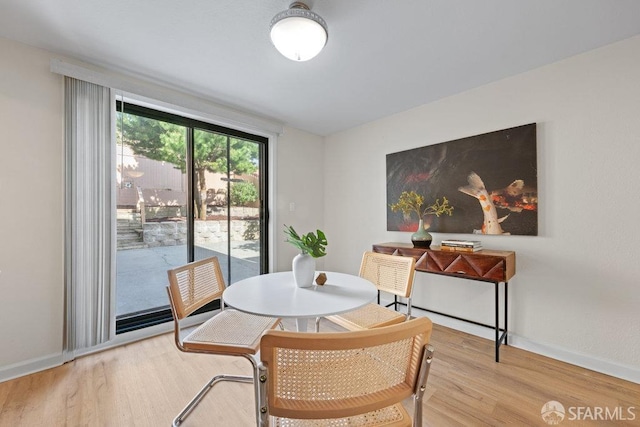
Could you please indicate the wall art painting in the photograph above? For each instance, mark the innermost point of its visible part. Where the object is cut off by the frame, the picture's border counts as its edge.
(489, 180)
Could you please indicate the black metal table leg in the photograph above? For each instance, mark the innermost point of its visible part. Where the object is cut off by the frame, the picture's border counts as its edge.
(497, 312)
(501, 338)
(506, 301)
(501, 334)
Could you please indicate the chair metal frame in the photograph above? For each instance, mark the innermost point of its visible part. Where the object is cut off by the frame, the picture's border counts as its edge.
(391, 274)
(301, 374)
(196, 271)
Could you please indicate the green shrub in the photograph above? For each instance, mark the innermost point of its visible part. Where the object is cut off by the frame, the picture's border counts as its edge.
(243, 193)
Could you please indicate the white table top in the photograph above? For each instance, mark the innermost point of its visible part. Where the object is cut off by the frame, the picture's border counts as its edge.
(277, 295)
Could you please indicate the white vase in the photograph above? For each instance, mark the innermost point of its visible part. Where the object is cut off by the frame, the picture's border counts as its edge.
(304, 268)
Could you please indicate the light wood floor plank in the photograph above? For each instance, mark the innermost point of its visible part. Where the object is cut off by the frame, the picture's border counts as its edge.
(148, 382)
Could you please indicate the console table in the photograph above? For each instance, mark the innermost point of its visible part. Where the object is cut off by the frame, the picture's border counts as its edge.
(484, 265)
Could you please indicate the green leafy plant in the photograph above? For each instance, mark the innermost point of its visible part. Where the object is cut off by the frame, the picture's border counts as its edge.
(243, 193)
(411, 202)
(310, 243)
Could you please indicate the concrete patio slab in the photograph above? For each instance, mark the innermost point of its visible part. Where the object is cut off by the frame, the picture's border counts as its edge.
(141, 274)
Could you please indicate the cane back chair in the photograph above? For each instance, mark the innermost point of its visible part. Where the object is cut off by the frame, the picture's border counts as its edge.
(353, 378)
(229, 332)
(391, 274)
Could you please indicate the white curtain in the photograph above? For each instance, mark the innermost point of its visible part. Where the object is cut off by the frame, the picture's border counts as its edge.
(89, 221)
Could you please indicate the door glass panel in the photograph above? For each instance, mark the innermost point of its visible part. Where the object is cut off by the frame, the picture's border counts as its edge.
(210, 213)
(244, 200)
(151, 208)
(227, 182)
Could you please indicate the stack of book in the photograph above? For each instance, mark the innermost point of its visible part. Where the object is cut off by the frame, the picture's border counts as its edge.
(461, 245)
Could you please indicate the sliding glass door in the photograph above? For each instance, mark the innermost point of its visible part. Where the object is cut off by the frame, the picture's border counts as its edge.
(186, 190)
(231, 198)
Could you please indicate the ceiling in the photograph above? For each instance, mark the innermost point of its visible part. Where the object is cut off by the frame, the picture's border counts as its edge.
(382, 56)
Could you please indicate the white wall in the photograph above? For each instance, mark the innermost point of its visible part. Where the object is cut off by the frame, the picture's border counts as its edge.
(576, 293)
(31, 207)
(299, 186)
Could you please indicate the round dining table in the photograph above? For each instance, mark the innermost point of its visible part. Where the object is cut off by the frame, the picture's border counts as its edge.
(276, 295)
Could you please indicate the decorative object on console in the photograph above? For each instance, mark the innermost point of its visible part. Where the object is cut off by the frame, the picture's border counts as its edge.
(460, 249)
(421, 238)
(411, 202)
(311, 246)
(498, 169)
(461, 245)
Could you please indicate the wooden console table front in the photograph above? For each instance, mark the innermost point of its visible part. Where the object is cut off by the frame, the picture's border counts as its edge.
(485, 265)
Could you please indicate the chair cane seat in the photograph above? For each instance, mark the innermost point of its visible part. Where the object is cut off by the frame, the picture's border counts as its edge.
(391, 416)
(230, 331)
(369, 316)
(391, 274)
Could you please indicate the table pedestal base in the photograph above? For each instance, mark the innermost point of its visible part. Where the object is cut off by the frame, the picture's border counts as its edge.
(301, 324)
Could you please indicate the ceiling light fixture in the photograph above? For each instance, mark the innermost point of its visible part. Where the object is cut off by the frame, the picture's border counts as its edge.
(298, 33)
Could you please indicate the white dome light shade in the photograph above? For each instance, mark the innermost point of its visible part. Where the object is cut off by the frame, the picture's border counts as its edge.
(298, 33)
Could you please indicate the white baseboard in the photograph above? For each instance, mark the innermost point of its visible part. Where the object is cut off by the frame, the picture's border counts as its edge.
(625, 372)
(614, 369)
(30, 366)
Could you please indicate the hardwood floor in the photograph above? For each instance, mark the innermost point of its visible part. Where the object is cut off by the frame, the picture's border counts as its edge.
(147, 383)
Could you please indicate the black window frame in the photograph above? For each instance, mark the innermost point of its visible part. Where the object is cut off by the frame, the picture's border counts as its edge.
(146, 318)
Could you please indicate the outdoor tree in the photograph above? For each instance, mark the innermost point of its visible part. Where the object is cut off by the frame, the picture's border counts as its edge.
(162, 141)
